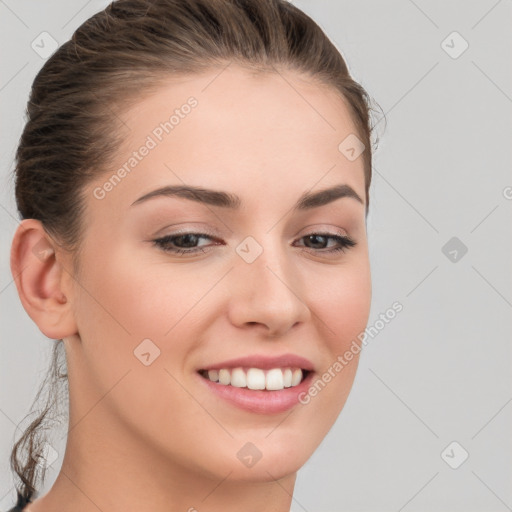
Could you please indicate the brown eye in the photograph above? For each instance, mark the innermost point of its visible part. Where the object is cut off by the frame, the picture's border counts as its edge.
(183, 243)
(319, 242)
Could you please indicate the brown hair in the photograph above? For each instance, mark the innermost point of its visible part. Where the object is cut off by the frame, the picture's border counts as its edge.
(114, 59)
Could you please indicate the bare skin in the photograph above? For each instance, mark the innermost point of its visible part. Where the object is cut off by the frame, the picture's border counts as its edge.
(155, 437)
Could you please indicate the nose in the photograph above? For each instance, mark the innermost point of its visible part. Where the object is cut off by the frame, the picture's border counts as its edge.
(267, 295)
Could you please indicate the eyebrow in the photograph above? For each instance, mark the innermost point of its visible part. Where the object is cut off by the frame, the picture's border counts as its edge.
(307, 201)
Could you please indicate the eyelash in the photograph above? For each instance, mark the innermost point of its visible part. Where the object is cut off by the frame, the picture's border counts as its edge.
(345, 243)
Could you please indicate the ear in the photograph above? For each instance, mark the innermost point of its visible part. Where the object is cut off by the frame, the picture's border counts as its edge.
(40, 270)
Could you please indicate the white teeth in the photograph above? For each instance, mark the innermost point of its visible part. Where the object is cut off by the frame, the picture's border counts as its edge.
(274, 379)
(238, 378)
(287, 378)
(255, 378)
(296, 376)
(224, 377)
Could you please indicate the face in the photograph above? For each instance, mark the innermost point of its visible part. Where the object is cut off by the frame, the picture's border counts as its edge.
(246, 266)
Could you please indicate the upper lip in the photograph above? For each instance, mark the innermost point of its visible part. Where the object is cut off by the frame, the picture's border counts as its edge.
(264, 362)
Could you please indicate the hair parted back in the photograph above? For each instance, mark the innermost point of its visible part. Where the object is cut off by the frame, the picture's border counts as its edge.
(114, 59)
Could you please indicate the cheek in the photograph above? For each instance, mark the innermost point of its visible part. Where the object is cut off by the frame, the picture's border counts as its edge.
(342, 306)
(131, 299)
(125, 302)
(342, 302)
(117, 308)
(119, 305)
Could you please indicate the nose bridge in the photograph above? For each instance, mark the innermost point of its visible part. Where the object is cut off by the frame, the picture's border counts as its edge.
(267, 289)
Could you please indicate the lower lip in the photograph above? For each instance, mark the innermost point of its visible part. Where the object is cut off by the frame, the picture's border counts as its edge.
(260, 401)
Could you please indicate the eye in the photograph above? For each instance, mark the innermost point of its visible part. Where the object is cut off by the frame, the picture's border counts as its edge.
(319, 242)
(183, 243)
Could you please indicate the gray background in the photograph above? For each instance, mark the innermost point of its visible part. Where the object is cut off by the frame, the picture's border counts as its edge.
(440, 371)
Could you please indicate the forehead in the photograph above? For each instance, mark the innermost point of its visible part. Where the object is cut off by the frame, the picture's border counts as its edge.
(251, 133)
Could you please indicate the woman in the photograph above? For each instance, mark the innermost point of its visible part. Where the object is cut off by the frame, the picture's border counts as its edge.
(193, 181)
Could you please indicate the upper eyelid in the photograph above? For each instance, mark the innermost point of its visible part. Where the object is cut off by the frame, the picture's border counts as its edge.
(201, 230)
(214, 236)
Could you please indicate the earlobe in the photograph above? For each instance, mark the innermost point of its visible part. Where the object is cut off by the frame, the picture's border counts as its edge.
(38, 270)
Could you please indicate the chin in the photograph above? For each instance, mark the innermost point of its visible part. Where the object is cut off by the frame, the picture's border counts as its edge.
(270, 470)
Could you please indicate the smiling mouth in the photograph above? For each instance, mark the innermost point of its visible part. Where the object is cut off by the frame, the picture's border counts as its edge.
(275, 379)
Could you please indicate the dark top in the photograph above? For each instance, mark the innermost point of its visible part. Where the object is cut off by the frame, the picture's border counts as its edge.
(20, 505)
